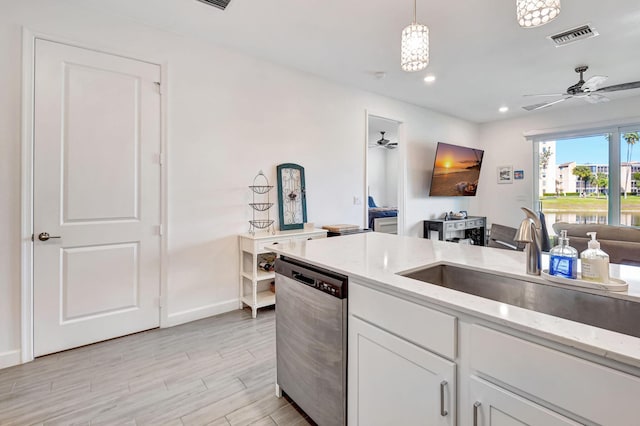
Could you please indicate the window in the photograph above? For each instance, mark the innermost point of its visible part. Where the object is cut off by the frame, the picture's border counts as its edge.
(630, 176)
(589, 177)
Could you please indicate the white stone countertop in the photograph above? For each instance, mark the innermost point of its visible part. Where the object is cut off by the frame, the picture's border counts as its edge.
(378, 258)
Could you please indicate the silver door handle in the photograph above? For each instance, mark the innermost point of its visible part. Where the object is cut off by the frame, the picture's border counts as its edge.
(443, 412)
(44, 236)
(475, 413)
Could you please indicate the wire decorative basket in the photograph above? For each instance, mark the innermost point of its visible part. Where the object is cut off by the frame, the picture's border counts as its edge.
(261, 207)
(261, 223)
(261, 188)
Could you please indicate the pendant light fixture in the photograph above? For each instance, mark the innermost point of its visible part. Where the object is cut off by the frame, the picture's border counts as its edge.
(415, 45)
(533, 13)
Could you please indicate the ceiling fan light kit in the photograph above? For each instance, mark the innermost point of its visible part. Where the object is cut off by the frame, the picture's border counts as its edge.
(415, 45)
(533, 13)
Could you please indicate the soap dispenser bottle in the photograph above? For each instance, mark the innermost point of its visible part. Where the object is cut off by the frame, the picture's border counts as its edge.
(564, 258)
(594, 262)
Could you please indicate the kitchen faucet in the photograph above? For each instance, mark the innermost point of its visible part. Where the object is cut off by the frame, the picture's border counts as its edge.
(530, 232)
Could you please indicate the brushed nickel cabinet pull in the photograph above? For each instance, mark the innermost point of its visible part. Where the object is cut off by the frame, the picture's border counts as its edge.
(443, 412)
(475, 413)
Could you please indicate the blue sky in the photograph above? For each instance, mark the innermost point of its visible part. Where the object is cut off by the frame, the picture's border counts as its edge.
(593, 149)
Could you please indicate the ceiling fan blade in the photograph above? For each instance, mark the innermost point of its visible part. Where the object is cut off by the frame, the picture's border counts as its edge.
(595, 98)
(545, 105)
(592, 84)
(547, 94)
(617, 87)
(534, 106)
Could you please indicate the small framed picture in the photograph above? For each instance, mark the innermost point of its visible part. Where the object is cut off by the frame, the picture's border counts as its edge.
(505, 174)
(518, 174)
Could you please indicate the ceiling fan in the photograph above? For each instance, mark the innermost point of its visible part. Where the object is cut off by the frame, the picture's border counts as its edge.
(384, 143)
(587, 90)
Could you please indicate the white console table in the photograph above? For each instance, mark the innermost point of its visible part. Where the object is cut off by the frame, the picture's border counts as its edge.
(254, 282)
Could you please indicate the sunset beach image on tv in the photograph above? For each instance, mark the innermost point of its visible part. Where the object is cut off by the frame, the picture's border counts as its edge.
(456, 170)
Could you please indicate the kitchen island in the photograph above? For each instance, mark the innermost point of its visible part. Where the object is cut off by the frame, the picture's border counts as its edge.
(422, 351)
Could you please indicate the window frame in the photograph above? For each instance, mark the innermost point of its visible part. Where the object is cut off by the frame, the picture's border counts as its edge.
(615, 132)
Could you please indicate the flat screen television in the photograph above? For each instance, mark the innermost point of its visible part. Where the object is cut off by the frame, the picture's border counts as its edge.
(456, 171)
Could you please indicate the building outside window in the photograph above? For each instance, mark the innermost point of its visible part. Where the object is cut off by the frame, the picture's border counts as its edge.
(593, 177)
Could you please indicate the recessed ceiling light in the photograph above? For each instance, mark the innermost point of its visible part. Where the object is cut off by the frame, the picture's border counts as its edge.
(430, 78)
(503, 109)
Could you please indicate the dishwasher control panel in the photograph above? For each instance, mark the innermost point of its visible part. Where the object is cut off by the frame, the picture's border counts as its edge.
(328, 282)
(329, 288)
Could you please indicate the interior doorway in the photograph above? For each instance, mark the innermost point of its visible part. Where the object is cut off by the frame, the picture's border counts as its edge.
(96, 196)
(385, 171)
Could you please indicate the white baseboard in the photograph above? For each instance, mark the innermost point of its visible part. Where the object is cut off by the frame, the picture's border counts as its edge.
(10, 358)
(189, 315)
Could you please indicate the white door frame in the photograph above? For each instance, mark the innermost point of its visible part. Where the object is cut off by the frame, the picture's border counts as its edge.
(26, 216)
(402, 169)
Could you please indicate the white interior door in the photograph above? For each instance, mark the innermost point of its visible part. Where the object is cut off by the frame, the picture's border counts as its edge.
(97, 194)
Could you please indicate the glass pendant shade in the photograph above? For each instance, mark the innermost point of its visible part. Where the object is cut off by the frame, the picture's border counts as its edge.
(415, 47)
(533, 13)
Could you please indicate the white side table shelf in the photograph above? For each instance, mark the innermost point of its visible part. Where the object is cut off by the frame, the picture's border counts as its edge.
(254, 282)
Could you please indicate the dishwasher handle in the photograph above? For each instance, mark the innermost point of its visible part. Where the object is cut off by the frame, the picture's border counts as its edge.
(300, 277)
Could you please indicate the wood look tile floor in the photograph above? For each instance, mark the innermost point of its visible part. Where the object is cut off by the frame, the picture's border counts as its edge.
(216, 371)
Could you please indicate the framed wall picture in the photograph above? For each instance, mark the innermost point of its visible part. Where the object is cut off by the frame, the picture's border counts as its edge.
(518, 174)
(505, 174)
(292, 199)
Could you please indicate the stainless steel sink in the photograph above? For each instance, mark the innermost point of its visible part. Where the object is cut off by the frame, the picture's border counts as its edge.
(601, 311)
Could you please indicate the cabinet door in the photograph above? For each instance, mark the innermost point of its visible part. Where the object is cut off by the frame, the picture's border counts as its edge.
(494, 406)
(394, 382)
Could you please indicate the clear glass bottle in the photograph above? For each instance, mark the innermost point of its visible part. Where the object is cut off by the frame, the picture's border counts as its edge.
(564, 258)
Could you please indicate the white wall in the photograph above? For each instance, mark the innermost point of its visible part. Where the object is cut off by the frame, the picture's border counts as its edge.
(377, 173)
(392, 166)
(229, 116)
(382, 164)
(504, 144)
(383, 171)
(419, 165)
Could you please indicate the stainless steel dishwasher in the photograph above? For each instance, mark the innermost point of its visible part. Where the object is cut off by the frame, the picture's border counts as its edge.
(311, 339)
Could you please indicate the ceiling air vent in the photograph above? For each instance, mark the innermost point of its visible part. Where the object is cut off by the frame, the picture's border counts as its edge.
(220, 4)
(573, 35)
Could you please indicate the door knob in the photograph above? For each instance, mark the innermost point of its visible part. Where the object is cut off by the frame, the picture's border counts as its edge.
(44, 236)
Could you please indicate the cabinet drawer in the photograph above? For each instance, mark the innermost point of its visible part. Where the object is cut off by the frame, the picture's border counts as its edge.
(310, 237)
(431, 329)
(449, 226)
(263, 244)
(597, 393)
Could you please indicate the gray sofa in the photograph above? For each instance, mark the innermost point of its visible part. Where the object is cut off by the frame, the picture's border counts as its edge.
(621, 243)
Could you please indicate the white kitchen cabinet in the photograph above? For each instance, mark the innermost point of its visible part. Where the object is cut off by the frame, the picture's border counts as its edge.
(254, 282)
(401, 351)
(494, 406)
(394, 382)
(600, 394)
